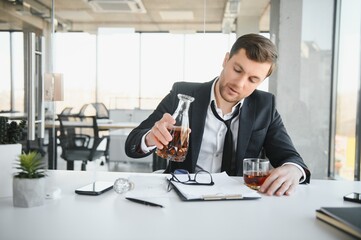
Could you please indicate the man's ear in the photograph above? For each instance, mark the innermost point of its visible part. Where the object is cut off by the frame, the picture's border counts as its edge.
(225, 60)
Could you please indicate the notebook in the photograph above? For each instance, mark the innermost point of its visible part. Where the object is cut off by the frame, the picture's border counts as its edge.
(224, 188)
(347, 219)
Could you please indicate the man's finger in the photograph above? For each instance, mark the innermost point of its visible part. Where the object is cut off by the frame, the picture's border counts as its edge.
(291, 189)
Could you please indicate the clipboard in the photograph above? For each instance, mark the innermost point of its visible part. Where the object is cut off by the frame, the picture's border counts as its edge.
(224, 188)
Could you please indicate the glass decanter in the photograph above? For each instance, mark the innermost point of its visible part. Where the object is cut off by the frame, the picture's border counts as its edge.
(177, 149)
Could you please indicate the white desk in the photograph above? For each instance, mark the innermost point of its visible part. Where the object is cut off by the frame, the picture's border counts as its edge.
(110, 216)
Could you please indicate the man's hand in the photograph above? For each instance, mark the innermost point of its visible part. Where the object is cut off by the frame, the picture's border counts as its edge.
(159, 134)
(282, 181)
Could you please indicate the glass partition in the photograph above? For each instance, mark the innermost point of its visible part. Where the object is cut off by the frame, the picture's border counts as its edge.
(134, 70)
(348, 85)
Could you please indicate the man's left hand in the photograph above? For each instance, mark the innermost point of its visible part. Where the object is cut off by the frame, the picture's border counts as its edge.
(282, 181)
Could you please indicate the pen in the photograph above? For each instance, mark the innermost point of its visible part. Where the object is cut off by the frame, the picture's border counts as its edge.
(144, 202)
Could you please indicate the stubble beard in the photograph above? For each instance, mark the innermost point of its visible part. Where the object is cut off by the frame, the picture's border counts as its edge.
(224, 96)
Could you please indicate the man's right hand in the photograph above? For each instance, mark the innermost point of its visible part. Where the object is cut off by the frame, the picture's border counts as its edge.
(159, 134)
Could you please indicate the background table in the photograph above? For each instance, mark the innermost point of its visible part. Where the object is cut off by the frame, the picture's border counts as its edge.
(15, 115)
(110, 216)
(54, 126)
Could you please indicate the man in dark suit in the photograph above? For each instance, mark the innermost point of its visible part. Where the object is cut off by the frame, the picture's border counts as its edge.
(257, 126)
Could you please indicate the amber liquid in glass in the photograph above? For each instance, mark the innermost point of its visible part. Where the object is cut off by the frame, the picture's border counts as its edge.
(177, 149)
(254, 180)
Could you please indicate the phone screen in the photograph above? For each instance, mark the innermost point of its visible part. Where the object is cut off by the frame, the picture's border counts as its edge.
(95, 188)
(353, 197)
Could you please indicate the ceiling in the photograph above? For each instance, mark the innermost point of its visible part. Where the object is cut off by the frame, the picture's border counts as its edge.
(156, 16)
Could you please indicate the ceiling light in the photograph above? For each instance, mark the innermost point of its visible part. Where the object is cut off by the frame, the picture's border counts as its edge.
(131, 6)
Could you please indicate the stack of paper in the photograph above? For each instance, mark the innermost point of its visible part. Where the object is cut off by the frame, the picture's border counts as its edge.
(224, 188)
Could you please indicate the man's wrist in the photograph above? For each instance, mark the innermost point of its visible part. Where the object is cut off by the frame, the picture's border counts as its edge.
(303, 177)
(143, 145)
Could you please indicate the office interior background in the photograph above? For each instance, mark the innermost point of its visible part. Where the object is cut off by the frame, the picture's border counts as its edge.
(130, 59)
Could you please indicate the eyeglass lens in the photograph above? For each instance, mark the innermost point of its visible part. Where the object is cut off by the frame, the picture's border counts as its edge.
(203, 177)
(200, 177)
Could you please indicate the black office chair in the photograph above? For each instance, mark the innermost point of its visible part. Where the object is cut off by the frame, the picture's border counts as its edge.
(101, 110)
(82, 111)
(79, 140)
(66, 111)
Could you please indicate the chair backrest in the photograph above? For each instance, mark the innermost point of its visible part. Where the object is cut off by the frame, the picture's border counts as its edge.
(82, 111)
(102, 111)
(66, 111)
(78, 132)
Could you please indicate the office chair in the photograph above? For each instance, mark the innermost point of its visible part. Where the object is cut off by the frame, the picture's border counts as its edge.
(101, 110)
(67, 112)
(82, 111)
(80, 140)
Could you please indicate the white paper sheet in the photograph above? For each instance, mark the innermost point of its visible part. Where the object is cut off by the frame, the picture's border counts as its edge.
(224, 188)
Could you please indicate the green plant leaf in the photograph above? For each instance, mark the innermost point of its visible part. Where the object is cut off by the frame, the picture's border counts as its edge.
(30, 165)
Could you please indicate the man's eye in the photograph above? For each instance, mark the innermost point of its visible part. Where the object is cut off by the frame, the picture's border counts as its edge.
(253, 80)
(237, 70)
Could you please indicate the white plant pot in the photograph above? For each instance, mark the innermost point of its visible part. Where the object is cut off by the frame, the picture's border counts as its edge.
(8, 154)
(28, 192)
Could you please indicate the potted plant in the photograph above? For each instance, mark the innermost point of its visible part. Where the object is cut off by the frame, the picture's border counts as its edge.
(10, 135)
(29, 181)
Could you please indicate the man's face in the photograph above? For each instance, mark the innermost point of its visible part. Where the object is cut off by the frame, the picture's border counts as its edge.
(240, 76)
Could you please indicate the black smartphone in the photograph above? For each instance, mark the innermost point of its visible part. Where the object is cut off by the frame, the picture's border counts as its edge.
(353, 197)
(95, 188)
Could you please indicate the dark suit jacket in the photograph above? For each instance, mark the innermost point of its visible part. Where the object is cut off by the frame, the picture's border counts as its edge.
(260, 128)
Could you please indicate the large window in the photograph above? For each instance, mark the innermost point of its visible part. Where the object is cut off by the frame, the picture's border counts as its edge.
(5, 71)
(309, 115)
(76, 60)
(134, 70)
(11, 71)
(348, 85)
(118, 69)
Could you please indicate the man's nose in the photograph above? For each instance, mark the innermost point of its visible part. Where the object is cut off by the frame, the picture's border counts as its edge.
(241, 81)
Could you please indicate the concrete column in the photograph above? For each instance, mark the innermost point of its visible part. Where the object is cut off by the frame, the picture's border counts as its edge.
(286, 33)
(285, 30)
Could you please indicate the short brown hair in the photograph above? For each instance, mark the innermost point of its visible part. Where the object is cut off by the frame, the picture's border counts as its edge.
(258, 48)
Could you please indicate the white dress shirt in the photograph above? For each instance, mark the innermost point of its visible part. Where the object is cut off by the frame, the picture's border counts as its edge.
(210, 154)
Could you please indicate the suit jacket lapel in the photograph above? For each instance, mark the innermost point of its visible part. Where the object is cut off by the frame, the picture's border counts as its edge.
(246, 121)
(199, 113)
